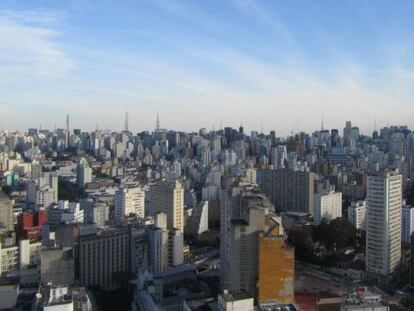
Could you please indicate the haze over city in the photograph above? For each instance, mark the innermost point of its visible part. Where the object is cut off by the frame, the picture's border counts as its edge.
(250, 62)
(210, 155)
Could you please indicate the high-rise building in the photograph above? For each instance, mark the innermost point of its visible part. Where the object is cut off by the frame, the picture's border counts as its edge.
(139, 249)
(44, 196)
(347, 133)
(158, 244)
(36, 170)
(44, 190)
(357, 214)
(289, 190)
(129, 199)
(276, 269)
(51, 180)
(249, 236)
(328, 206)
(407, 223)
(65, 212)
(383, 237)
(197, 223)
(168, 197)
(83, 173)
(176, 248)
(6, 212)
(103, 258)
(278, 156)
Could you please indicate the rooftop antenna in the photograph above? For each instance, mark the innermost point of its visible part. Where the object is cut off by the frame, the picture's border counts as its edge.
(322, 123)
(67, 123)
(126, 122)
(157, 124)
(375, 123)
(221, 124)
(261, 127)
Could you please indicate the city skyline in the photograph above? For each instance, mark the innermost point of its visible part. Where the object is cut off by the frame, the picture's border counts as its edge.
(196, 64)
(295, 129)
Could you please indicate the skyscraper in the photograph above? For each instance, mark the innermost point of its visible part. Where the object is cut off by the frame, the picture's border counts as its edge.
(83, 173)
(168, 197)
(129, 199)
(383, 240)
(250, 236)
(103, 258)
(289, 190)
(158, 244)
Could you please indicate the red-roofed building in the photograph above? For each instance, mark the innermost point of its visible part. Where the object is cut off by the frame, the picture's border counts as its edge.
(29, 224)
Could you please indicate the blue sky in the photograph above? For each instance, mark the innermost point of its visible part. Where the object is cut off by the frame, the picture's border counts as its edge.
(196, 62)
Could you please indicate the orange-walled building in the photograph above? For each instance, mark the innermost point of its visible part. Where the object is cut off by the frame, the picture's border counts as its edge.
(276, 270)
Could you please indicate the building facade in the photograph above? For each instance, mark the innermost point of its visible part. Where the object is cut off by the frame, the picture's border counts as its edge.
(407, 223)
(168, 197)
(103, 258)
(328, 206)
(129, 200)
(383, 237)
(357, 214)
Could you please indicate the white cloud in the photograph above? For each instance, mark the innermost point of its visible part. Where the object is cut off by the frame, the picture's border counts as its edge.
(27, 50)
(33, 16)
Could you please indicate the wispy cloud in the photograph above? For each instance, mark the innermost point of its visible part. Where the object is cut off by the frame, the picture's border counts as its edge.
(34, 16)
(29, 47)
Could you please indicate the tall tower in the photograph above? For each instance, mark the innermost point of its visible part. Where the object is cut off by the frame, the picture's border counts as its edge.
(67, 123)
(157, 123)
(126, 122)
(383, 241)
(322, 123)
(67, 132)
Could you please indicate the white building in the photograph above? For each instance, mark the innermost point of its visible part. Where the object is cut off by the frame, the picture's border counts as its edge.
(19, 257)
(158, 244)
(328, 206)
(129, 199)
(357, 213)
(198, 221)
(176, 248)
(407, 225)
(40, 195)
(384, 203)
(168, 197)
(29, 253)
(83, 173)
(65, 212)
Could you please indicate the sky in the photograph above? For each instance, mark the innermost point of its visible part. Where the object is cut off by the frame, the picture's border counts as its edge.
(275, 64)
